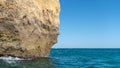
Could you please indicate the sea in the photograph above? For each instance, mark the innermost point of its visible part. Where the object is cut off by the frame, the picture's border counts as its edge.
(68, 58)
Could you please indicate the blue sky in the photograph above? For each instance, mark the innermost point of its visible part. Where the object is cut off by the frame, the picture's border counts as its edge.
(89, 24)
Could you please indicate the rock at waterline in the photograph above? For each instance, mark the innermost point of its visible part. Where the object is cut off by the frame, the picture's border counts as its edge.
(28, 28)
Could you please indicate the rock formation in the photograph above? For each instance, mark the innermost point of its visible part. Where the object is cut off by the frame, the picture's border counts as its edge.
(28, 28)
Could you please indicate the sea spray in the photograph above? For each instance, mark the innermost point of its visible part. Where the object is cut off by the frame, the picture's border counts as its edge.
(10, 59)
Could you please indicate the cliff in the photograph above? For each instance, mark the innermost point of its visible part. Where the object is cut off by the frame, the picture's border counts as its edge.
(28, 28)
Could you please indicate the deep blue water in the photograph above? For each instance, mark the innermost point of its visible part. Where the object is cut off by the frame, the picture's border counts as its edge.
(70, 58)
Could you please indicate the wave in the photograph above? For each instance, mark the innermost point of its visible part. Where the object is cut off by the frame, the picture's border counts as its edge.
(10, 59)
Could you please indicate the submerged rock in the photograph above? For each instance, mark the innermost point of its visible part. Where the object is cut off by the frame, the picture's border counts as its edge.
(28, 28)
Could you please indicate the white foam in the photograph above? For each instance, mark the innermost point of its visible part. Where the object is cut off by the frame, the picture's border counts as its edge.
(10, 59)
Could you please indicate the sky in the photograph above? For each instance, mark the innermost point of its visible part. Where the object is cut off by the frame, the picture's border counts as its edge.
(89, 24)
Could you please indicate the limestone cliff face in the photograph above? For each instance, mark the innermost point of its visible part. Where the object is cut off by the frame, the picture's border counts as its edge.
(28, 28)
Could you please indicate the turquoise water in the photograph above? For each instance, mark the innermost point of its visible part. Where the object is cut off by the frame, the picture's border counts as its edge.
(69, 58)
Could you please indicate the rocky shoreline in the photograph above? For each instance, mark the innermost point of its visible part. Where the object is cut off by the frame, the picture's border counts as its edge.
(28, 28)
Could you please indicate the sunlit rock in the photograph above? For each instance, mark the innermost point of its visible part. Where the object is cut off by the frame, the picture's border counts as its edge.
(28, 28)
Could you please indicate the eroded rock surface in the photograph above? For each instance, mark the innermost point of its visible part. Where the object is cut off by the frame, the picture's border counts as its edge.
(28, 28)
